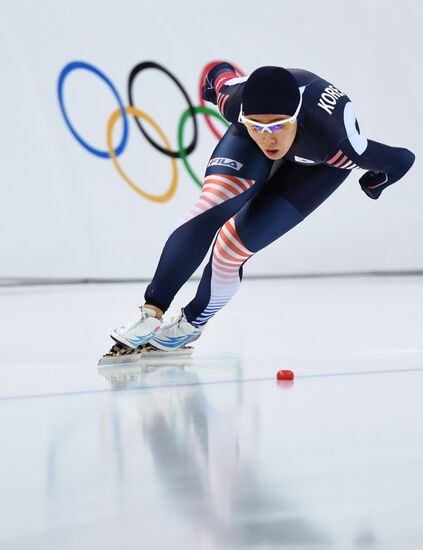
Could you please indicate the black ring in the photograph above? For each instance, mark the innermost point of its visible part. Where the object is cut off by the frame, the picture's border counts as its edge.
(152, 65)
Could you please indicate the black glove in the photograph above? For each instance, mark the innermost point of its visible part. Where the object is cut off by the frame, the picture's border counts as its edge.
(208, 92)
(373, 183)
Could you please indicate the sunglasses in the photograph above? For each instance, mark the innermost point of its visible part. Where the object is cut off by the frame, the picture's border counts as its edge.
(272, 126)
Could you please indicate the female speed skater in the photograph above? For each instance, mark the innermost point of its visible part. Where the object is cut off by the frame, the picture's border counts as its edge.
(293, 140)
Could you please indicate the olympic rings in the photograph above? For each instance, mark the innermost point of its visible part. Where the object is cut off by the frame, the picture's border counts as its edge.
(182, 152)
(152, 65)
(206, 111)
(137, 113)
(206, 69)
(82, 65)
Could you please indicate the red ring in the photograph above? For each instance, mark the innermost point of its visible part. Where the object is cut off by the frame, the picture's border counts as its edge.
(202, 102)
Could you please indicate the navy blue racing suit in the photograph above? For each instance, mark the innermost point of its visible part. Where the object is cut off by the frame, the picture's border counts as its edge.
(248, 200)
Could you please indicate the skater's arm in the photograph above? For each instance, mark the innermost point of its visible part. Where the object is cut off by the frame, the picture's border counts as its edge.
(223, 87)
(384, 164)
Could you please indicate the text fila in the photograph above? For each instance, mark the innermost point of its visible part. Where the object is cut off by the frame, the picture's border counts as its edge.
(229, 163)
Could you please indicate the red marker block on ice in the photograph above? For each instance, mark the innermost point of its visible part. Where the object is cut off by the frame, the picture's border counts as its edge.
(285, 375)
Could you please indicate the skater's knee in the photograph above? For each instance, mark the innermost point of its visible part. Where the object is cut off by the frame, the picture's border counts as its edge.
(230, 245)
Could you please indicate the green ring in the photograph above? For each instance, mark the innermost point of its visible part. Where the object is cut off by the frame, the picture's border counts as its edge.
(182, 122)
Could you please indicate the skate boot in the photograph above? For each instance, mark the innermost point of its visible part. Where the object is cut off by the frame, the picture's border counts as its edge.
(138, 331)
(175, 334)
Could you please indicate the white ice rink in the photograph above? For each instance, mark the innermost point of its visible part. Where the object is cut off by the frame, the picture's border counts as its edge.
(211, 452)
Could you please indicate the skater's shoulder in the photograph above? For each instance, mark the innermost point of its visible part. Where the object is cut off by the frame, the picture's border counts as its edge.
(322, 111)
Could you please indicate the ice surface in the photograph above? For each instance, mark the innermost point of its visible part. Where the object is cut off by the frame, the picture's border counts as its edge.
(211, 452)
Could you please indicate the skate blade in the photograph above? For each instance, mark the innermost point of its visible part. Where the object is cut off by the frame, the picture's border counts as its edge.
(144, 355)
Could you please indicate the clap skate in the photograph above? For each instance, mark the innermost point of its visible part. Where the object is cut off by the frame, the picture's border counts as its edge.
(119, 355)
(156, 340)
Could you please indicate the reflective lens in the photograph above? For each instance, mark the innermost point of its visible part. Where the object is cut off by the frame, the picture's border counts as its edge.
(269, 128)
(275, 127)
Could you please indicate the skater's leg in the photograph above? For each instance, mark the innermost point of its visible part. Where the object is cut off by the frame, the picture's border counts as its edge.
(226, 190)
(291, 195)
(288, 197)
(228, 185)
(222, 275)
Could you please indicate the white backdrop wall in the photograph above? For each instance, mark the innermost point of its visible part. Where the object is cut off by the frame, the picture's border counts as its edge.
(68, 213)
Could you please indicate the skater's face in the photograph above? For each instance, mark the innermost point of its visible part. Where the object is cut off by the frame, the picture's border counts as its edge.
(273, 144)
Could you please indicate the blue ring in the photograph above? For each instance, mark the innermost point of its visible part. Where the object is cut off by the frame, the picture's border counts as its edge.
(82, 65)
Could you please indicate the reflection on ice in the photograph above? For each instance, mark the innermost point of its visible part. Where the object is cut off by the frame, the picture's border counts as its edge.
(206, 456)
(212, 453)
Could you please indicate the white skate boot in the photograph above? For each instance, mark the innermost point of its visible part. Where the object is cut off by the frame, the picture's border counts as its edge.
(139, 330)
(142, 339)
(176, 333)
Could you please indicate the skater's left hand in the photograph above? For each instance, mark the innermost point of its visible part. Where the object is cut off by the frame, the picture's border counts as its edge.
(373, 183)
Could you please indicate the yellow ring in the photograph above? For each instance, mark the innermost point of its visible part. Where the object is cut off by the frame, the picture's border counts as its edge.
(110, 126)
